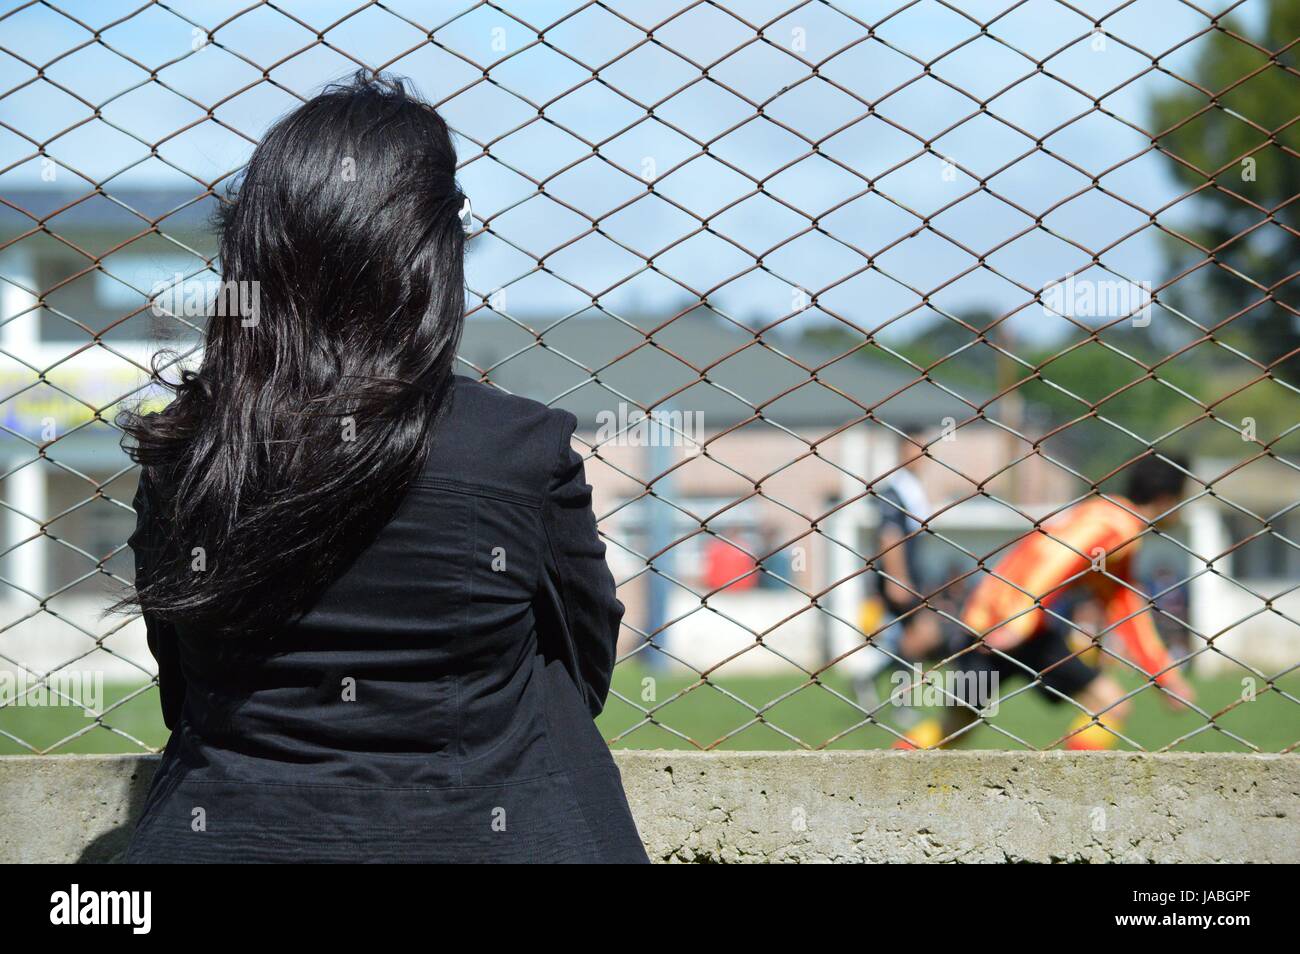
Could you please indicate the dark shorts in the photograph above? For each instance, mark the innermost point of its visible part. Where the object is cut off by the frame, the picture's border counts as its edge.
(1047, 652)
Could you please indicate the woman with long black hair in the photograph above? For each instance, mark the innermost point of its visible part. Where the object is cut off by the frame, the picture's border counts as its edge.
(375, 591)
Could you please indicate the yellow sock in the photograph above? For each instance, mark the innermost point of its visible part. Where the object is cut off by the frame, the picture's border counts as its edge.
(1094, 737)
(925, 735)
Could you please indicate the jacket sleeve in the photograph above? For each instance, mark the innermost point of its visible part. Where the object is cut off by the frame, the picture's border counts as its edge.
(161, 635)
(588, 611)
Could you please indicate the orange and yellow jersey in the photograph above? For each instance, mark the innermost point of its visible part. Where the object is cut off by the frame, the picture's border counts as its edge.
(1092, 544)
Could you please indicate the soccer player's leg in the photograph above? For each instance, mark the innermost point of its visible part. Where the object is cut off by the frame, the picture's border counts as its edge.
(975, 670)
(909, 640)
(1101, 697)
(1063, 673)
(922, 636)
(977, 688)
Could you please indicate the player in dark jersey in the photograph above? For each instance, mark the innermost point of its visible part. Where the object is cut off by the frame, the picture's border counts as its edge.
(904, 507)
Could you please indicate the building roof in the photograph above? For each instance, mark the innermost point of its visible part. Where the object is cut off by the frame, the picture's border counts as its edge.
(591, 363)
(588, 363)
(80, 212)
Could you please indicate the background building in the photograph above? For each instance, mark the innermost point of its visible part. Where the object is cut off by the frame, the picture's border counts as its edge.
(760, 446)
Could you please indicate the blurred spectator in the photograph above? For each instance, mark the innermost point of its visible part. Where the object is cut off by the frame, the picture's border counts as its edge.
(726, 566)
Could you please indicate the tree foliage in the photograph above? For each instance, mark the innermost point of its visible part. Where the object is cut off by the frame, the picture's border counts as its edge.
(1231, 132)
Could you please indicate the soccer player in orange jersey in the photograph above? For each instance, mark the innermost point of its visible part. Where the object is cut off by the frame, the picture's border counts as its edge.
(1093, 545)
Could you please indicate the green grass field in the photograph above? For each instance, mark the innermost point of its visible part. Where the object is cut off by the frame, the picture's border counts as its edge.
(708, 717)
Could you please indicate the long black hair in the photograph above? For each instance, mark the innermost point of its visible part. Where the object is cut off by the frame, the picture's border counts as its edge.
(292, 443)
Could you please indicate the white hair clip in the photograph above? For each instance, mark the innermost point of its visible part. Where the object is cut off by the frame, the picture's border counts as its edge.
(467, 217)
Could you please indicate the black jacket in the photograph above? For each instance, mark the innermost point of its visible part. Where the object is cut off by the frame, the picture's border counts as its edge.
(436, 703)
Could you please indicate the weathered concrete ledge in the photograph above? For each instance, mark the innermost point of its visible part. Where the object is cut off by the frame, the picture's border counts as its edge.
(814, 807)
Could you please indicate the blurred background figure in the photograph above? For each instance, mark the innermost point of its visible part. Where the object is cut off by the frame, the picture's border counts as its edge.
(904, 508)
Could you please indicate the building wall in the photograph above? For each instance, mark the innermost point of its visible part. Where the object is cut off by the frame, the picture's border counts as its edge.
(758, 487)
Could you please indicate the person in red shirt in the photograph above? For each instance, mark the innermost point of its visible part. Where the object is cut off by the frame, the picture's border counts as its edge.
(1093, 546)
(728, 568)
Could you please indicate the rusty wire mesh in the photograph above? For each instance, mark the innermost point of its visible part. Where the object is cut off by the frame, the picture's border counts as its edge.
(801, 237)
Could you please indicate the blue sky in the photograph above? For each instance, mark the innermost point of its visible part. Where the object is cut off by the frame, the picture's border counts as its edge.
(773, 150)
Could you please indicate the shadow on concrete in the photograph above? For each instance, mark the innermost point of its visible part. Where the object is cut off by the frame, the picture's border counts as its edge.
(109, 847)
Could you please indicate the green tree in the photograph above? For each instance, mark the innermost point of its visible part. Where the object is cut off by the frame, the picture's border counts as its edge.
(1231, 132)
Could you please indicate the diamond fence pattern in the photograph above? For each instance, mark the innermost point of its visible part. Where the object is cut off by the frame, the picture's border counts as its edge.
(761, 249)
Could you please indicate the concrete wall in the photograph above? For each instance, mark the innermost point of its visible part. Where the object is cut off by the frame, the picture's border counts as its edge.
(812, 807)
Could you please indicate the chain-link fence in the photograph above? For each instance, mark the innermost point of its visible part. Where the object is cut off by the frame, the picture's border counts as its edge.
(869, 313)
